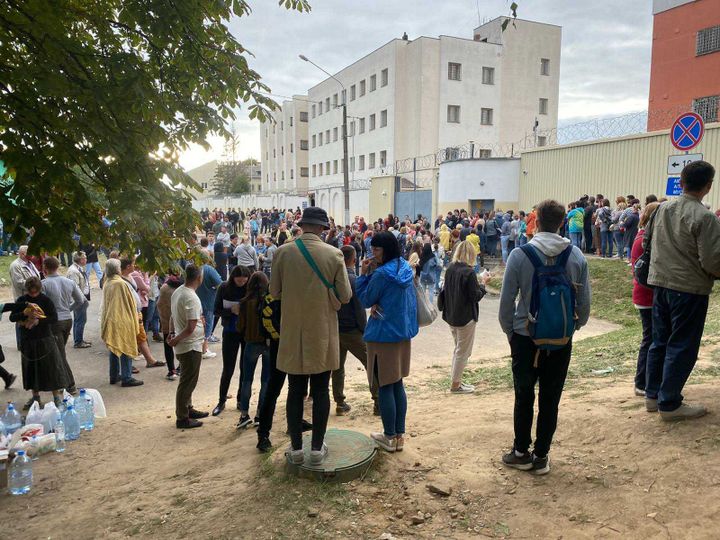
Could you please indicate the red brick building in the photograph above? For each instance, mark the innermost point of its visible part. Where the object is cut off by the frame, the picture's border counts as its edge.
(685, 71)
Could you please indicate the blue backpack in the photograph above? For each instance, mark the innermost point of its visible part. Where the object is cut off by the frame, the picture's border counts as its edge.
(551, 319)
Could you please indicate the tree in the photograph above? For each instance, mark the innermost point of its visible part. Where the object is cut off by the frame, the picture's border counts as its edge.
(231, 178)
(98, 98)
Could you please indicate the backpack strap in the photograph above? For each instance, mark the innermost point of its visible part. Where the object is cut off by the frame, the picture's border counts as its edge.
(313, 266)
(531, 254)
(563, 257)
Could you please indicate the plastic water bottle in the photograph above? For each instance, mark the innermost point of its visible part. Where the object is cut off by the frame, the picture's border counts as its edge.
(59, 434)
(20, 475)
(84, 407)
(11, 419)
(80, 406)
(2, 429)
(72, 424)
(35, 448)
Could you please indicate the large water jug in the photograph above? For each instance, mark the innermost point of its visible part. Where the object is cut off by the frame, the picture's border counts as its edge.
(72, 424)
(11, 419)
(80, 406)
(59, 434)
(20, 475)
(85, 409)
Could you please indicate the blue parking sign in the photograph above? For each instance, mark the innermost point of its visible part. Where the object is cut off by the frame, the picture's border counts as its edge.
(673, 186)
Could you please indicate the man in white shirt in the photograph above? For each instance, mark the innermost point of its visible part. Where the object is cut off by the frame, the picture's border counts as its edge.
(187, 335)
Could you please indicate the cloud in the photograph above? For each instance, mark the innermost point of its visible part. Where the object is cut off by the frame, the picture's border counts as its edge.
(605, 63)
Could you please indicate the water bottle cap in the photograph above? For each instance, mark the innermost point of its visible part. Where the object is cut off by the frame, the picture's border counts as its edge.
(34, 436)
(70, 407)
(82, 390)
(21, 452)
(10, 407)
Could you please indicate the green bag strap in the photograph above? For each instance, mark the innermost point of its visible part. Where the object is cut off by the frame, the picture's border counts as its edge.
(311, 262)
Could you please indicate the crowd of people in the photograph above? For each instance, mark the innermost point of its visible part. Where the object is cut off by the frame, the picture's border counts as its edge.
(295, 292)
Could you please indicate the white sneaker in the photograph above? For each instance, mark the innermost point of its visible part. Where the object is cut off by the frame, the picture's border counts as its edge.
(386, 443)
(464, 388)
(297, 457)
(209, 354)
(683, 412)
(318, 456)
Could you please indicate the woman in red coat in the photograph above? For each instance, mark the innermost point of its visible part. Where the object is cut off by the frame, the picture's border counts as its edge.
(643, 300)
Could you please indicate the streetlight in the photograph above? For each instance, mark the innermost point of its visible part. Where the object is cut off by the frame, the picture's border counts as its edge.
(346, 170)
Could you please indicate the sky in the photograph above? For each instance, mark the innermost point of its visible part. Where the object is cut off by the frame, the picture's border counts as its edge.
(605, 61)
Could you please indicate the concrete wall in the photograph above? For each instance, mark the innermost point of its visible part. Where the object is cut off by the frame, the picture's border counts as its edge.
(628, 165)
(247, 202)
(461, 182)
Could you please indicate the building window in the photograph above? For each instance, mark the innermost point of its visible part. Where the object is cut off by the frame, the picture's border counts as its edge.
(488, 76)
(383, 158)
(708, 40)
(352, 129)
(292, 148)
(273, 129)
(282, 175)
(327, 167)
(335, 166)
(303, 145)
(352, 164)
(545, 66)
(327, 136)
(282, 125)
(274, 153)
(362, 88)
(291, 121)
(371, 160)
(303, 116)
(362, 126)
(335, 134)
(343, 95)
(320, 139)
(384, 77)
(707, 107)
(486, 117)
(282, 150)
(292, 174)
(454, 71)
(373, 82)
(453, 114)
(204, 185)
(361, 163)
(543, 106)
(314, 170)
(303, 172)
(274, 177)
(383, 118)
(314, 141)
(335, 100)
(313, 111)
(267, 157)
(352, 93)
(542, 140)
(321, 170)
(327, 104)
(485, 154)
(372, 122)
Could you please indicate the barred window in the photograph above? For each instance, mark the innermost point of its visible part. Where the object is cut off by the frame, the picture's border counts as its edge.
(453, 114)
(708, 40)
(707, 107)
(454, 71)
(485, 154)
(488, 75)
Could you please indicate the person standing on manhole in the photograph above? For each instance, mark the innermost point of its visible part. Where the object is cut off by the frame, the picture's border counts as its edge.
(310, 279)
(386, 288)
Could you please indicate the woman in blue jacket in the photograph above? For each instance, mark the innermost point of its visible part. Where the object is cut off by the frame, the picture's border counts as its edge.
(386, 288)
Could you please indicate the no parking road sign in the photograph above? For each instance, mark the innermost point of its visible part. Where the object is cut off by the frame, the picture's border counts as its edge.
(687, 131)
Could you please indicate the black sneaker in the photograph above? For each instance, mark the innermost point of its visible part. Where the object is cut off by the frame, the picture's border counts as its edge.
(523, 462)
(196, 415)
(264, 445)
(342, 409)
(256, 421)
(244, 422)
(188, 423)
(10, 380)
(131, 382)
(540, 465)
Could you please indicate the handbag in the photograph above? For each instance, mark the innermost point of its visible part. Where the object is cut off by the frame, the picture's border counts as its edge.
(332, 291)
(426, 312)
(642, 265)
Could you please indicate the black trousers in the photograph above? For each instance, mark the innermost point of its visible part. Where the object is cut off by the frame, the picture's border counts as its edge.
(320, 392)
(274, 387)
(169, 354)
(232, 343)
(646, 316)
(587, 231)
(4, 374)
(550, 373)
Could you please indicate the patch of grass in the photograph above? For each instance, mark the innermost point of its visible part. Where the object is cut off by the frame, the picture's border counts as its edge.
(611, 283)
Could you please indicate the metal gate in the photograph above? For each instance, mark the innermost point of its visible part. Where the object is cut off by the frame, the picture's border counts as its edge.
(412, 203)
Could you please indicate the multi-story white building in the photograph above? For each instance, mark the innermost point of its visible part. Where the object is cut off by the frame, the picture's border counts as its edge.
(284, 148)
(410, 98)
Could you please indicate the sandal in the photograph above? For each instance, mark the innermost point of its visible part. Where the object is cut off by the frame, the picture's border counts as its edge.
(156, 364)
(135, 370)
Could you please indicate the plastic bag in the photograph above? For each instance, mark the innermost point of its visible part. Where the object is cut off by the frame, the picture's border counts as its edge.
(25, 433)
(426, 312)
(70, 399)
(49, 417)
(34, 415)
(98, 403)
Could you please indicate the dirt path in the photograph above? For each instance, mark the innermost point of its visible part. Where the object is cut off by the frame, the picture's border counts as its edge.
(618, 472)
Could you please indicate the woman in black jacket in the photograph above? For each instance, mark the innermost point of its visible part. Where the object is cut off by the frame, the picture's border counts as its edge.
(458, 301)
(227, 307)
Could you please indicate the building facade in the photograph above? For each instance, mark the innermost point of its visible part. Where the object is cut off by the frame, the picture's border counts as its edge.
(411, 98)
(685, 72)
(284, 148)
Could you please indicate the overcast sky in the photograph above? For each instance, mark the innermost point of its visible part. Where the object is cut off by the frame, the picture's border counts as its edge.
(605, 64)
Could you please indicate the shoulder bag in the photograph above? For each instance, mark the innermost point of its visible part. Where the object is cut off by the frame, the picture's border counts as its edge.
(642, 265)
(332, 291)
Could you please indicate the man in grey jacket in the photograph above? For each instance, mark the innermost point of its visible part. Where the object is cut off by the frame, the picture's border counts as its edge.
(529, 364)
(684, 264)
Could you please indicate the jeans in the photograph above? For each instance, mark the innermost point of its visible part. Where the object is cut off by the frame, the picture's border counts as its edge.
(641, 370)
(483, 242)
(150, 317)
(272, 392)
(522, 240)
(606, 238)
(319, 390)
(94, 267)
(120, 368)
(551, 371)
(429, 290)
(209, 319)
(619, 242)
(232, 343)
(576, 239)
(678, 321)
(392, 402)
(79, 320)
(249, 363)
(504, 243)
(438, 274)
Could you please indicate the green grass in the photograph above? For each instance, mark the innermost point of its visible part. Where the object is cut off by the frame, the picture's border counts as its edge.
(5, 270)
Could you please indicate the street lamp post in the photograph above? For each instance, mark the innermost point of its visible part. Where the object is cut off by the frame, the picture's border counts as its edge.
(346, 169)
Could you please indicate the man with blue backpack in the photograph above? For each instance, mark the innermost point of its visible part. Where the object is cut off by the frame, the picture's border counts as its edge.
(551, 277)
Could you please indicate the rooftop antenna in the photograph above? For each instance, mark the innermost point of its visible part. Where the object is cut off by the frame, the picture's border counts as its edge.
(477, 4)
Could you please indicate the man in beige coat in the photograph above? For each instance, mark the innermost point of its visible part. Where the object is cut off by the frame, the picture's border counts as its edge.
(309, 342)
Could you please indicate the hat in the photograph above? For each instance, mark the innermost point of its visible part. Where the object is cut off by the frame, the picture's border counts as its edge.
(313, 215)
